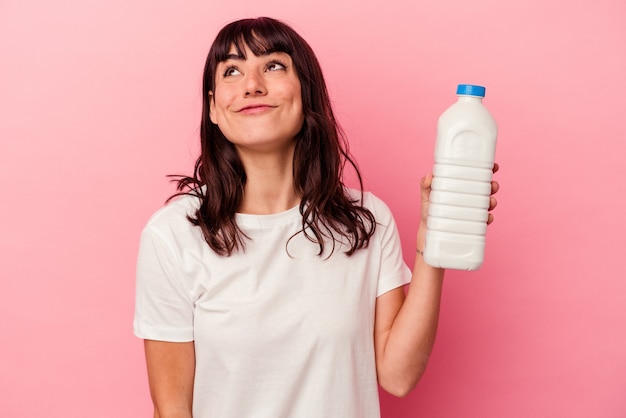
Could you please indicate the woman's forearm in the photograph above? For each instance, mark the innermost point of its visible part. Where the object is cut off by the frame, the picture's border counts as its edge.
(412, 335)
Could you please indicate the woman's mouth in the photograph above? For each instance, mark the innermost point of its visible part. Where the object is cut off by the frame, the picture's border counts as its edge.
(255, 109)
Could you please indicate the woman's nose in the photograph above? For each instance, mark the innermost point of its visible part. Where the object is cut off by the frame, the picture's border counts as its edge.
(255, 85)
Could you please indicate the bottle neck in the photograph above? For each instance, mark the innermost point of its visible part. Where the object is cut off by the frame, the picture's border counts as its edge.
(468, 98)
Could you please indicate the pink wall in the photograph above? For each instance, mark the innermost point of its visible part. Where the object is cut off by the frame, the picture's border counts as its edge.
(100, 100)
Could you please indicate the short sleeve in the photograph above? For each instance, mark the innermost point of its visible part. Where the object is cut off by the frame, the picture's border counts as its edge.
(163, 307)
(393, 272)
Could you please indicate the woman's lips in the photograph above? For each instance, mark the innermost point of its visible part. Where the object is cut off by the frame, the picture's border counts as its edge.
(254, 109)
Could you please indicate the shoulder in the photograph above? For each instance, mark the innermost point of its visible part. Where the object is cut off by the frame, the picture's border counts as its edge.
(172, 217)
(370, 201)
(169, 235)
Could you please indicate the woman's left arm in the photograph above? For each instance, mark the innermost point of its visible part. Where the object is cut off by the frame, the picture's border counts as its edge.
(406, 324)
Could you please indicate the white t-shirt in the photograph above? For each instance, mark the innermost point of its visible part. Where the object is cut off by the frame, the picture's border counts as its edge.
(278, 330)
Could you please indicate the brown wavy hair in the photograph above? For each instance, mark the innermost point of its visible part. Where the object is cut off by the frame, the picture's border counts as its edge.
(320, 156)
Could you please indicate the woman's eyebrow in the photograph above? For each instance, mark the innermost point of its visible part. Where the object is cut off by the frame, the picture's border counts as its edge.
(238, 57)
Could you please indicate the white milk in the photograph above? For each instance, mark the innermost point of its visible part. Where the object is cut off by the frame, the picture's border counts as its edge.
(459, 200)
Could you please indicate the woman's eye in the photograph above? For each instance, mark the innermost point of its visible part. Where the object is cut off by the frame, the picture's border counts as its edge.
(275, 66)
(231, 71)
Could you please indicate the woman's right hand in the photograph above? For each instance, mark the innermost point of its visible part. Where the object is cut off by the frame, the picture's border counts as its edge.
(425, 189)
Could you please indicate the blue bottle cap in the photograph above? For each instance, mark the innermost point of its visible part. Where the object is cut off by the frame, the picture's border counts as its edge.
(470, 90)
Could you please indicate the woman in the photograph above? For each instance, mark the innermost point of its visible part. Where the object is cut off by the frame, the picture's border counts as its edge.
(267, 288)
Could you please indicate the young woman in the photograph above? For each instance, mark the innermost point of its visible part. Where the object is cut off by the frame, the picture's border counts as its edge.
(268, 288)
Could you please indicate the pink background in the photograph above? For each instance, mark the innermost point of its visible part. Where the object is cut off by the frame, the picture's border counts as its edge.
(100, 100)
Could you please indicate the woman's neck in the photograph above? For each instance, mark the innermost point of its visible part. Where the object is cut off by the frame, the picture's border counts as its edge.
(269, 185)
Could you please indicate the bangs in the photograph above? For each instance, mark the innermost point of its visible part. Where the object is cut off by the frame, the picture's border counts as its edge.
(262, 36)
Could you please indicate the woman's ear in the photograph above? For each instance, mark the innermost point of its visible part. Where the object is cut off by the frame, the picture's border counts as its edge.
(212, 107)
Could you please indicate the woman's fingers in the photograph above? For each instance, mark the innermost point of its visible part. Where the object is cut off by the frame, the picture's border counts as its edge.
(495, 186)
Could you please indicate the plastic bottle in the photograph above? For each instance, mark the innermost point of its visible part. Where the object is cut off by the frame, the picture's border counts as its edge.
(461, 188)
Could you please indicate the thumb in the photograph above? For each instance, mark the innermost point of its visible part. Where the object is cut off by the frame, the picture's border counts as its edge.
(426, 182)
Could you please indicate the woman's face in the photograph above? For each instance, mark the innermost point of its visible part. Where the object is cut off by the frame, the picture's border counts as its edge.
(257, 102)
